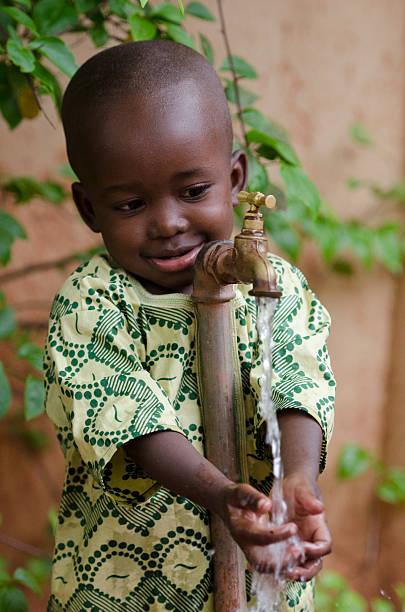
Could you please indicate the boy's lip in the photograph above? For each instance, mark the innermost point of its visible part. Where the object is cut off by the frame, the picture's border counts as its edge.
(176, 260)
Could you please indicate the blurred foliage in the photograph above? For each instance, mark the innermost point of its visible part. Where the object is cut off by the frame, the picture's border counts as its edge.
(354, 460)
(32, 58)
(333, 594)
(31, 577)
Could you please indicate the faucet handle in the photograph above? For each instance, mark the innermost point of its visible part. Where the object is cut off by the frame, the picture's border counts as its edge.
(257, 199)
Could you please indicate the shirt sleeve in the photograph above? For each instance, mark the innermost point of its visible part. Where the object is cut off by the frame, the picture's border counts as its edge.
(302, 377)
(100, 396)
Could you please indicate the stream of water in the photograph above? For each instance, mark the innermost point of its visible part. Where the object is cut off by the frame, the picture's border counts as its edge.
(269, 588)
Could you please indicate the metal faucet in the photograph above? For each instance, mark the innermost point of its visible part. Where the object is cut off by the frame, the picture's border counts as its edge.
(219, 265)
(242, 261)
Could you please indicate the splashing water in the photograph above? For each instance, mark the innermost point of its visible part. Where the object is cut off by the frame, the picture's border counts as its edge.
(269, 588)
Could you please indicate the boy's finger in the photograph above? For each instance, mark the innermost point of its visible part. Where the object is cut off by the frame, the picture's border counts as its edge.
(307, 502)
(314, 550)
(306, 571)
(261, 536)
(246, 497)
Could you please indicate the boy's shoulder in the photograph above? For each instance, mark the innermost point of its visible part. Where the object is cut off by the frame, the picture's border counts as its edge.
(93, 279)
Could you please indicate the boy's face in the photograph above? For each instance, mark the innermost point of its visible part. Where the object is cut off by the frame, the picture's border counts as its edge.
(159, 184)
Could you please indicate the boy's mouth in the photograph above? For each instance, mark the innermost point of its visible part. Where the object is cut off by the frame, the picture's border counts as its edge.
(178, 261)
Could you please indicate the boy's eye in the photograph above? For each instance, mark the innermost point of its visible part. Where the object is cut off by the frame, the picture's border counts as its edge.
(195, 192)
(132, 205)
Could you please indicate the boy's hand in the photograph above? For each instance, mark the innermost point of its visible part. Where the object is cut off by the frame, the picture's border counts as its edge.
(306, 510)
(246, 514)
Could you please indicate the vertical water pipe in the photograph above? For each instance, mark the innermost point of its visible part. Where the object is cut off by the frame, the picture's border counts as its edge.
(219, 265)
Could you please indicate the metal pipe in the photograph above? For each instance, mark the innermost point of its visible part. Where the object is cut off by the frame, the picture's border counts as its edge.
(218, 266)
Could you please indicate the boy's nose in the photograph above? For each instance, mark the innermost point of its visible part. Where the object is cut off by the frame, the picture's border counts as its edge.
(166, 220)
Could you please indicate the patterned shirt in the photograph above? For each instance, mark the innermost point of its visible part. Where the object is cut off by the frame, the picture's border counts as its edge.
(121, 363)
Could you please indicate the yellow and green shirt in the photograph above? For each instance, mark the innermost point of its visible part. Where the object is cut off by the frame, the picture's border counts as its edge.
(121, 363)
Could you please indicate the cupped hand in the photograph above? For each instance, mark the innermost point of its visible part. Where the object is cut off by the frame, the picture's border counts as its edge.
(246, 514)
(306, 511)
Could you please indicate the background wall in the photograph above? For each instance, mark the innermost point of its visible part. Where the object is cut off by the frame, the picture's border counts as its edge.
(322, 65)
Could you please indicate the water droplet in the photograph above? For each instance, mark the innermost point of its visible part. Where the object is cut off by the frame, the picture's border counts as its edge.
(384, 594)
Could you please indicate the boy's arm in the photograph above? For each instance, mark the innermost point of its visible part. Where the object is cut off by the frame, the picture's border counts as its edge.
(169, 458)
(301, 440)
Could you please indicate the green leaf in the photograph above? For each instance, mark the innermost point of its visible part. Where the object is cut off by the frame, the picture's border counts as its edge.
(99, 34)
(5, 392)
(180, 36)
(353, 183)
(26, 3)
(167, 12)
(256, 120)
(282, 149)
(246, 98)
(20, 17)
(57, 52)
(207, 49)
(361, 241)
(53, 519)
(141, 29)
(83, 6)
(53, 192)
(24, 188)
(342, 266)
(39, 568)
(24, 577)
(37, 440)
(300, 188)
(350, 600)
(66, 171)
(7, 322)
(258, 179)
(381, 605)
(31, 353)
(388, 246)
(4, 575)
(242, 68)
(12, 600)
(11, 226)
(397, 192)
(10, 229)
(181, 6)
(196, 9)
(49, 83)
(352, 461)
(400, 591)
(360, 134)
(325, 233)
(54, 16)
(8, 96)
(392, 488)
(34, 397)
(20, 55)
(332, 581)
(143, 3)
(283, 233)
(124, 8)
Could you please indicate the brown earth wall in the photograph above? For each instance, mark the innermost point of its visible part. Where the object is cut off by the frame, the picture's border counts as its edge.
(322, 65)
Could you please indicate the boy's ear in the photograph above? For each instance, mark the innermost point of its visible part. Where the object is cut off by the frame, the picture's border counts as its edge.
(84, 206)
(239, 174)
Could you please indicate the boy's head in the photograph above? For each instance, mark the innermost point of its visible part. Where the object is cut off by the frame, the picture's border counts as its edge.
(149, 135)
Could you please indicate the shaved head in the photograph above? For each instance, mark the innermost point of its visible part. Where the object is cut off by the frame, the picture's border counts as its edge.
(133, 74)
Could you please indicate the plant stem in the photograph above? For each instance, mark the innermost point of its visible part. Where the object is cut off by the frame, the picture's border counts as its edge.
(18, 545)
(46, 265)
(234, 76)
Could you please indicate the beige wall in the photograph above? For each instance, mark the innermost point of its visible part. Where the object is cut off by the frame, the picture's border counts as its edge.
(323, 65)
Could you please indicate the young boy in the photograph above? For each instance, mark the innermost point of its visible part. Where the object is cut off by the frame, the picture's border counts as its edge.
(149, 135)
